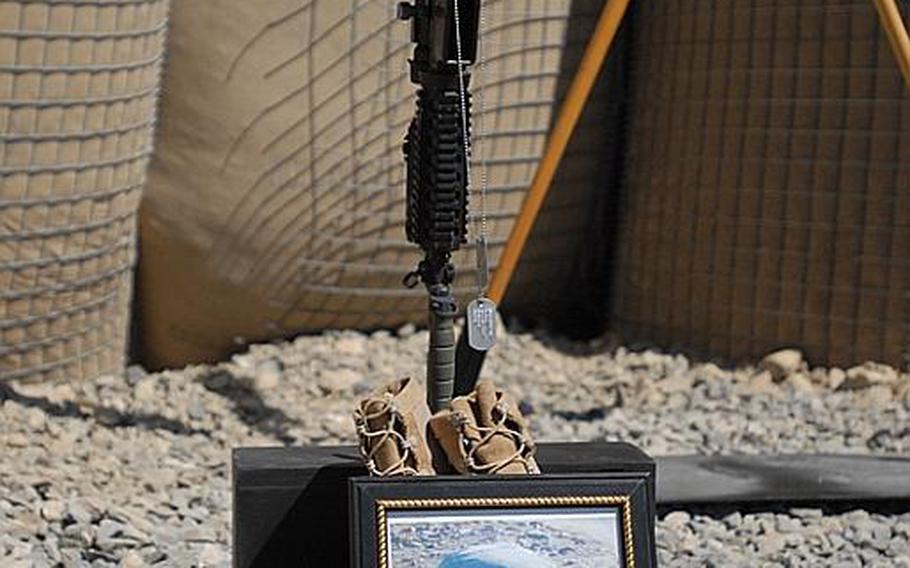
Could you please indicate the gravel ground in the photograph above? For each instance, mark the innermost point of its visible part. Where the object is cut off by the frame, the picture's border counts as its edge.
(133, 471)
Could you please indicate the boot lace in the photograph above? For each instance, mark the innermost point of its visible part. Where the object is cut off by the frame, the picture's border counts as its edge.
(372, 440)
(503, 426)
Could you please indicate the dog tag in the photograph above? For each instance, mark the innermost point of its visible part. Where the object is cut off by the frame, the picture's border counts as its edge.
(481, 323)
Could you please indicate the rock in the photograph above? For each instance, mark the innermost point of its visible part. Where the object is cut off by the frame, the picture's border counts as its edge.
(212, 555)
(53, 510)
(782, 363)
(836, 378)
(16, 440)
(26, 526)
(771, 544)
(763, 382)
(677, 520)
(77, 535)
(407, 330)
(135, 373)
(335, 380)
(800, 383)
(145, 390)
(877, 395)
(113, 535)
(217, 381)
(362, 388)
(132, 559)
(79, 512)
(244, 360)
(136, 519)
(734, 520)
(786, 524)
(108, 528)
(153, 555)
(35, 419)
(868, 374)
(350, 345)
(806, 513)
(268, 375)
(677, 383)
(902, 390)
(819, 376)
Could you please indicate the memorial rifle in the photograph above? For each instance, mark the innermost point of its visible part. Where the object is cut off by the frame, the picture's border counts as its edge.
(437, 154)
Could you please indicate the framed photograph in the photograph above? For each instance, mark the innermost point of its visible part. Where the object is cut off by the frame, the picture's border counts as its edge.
(583, 521)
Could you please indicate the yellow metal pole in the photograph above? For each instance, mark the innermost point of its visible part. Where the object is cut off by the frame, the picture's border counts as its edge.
(890, 15)
(591, 62)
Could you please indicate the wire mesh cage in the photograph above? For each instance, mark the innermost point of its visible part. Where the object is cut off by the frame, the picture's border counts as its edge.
(276, 195)
(78, 84)
(767, 171)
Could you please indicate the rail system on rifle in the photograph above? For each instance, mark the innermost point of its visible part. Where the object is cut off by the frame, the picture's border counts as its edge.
(436, 149)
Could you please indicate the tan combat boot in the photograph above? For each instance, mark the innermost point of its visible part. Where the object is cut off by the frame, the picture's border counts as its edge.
(484, 432)
(392, 424)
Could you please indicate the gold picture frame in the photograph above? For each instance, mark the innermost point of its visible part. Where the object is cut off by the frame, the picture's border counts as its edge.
(604, 518)
(624, 502)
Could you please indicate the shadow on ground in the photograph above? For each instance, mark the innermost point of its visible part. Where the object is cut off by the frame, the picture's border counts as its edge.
(103, 415)
(249, 406)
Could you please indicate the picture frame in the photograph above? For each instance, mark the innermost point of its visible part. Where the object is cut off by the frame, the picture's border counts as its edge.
(603, 520)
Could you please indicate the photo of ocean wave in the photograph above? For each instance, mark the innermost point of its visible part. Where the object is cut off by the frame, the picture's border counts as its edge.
(505, 538)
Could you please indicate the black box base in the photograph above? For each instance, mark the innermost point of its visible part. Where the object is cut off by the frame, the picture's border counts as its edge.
(291, 504)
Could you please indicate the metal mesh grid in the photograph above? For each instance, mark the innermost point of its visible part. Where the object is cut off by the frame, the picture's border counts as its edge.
(281, 209)
(767, 175)
(78, 82)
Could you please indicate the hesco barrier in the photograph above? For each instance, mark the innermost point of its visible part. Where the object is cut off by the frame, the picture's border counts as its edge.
(564, 268)
(767, 192)
(78, 83)
(275, 199)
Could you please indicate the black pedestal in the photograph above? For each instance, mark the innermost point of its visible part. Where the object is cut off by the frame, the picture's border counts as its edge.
(291, 504)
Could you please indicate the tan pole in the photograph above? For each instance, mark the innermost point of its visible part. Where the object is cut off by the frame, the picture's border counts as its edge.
(591, 62)
(890, 16)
